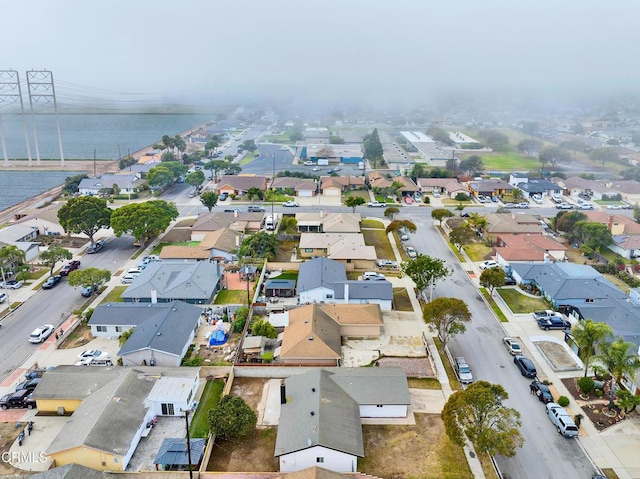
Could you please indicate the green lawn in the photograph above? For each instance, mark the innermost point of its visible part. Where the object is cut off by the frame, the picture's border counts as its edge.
(208, 400)
(508, 161)
(452, 202)
(610, 255)
(248, 158)
(477, 251)
(114, 295)
(372, 224)
(494, 306)
(424, 383)
(401, 301)
(618, 282)
(379, 239)
(607, 203)
(384, 199)
(281, 138)
(288, 275)
(519, 303)
(361, 193)
(37, 274)
(231, 296)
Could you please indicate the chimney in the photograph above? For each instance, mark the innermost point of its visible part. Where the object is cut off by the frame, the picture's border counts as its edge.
(154, 295)
(283, 393)
(346, 292)
(610, 222)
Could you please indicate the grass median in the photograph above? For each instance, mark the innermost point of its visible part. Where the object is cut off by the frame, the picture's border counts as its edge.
(494, 306)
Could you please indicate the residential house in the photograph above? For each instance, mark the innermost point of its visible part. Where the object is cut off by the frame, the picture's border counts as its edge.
(574, 186)
(280, 288)
(217, 245)
(165, 281)
(162, 332)
(528, 248)
(448, 186)
(126, 183)
(629, 189)
(512, 223)
(22, 237)
(240, 184)
(375, 179)
(45, 220)
(322, 280)
(336, 185)
(326, 222)
(624, 230)
(303, 187)
(236, 221)
(75, 471)
(321, 411)
(534, 186)
(106, 427)
(346, 247)
(348, 153)
(491, 187)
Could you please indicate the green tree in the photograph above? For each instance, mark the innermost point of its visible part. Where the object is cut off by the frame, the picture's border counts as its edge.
(11, 258)
(196, 178)
(260, 245)
(262, 327)
(253, 193)
(595, 235)
(438, 134)
(177, 168)
(492, 278)
(620, 358)
(553, 155)
(354, 201)
(627, 401)
(209, 199)
(179, 144)
(604, 155)
(441, 213)
(425, 271)
(159, 177)
(89, 277)
(461, 235)
(336, 140)
(54, 254)
(472, 165)
(143, 220)
(587, 334)
(71, 183)
(518, 194)
(495, 139)
(249, 145)
(167, 142)
(529, 146)
(231, 418)
(391, 212)
(566, 221)
(395, 225)
(478, 414)
(574, 145)
(446, 317)
(124, 337)
(477, 221)
(240, 319)
(290, 225)
(372, 147)
(86, 215)
(296, 136)
(460, 207)
(531, 127)
(126, 162)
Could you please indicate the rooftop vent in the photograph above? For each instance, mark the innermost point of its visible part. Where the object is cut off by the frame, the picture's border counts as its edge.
(313, 413)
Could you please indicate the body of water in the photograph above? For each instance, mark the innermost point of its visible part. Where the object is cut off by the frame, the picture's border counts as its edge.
(81, 134)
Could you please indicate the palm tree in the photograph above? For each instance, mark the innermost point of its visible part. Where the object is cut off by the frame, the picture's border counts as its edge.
(587, 334)
(11, 256)
(517, 194)
(615, 357)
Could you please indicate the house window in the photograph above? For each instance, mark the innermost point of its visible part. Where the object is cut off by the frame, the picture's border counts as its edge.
(319, 459)
(167, 409)
(590, 300)
(329, 296)
(308, 250)
(101, 329)
(118, 329)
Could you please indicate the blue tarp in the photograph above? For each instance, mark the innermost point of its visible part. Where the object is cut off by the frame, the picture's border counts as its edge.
(217, 338)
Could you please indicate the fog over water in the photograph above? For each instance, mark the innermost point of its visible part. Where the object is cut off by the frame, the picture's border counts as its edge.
(378, 52)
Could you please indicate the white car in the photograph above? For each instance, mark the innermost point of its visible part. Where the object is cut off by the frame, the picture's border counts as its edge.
(386, 263)
(11, 284)
(92, 353)
(309, 163)
(316, 168)
(128, 278)
(512, 346)
(283, 148)
(489, 264)
(290, 204)
(376, 204)
(614, 207)
(40, 335)
(3, 297)
(411, 252)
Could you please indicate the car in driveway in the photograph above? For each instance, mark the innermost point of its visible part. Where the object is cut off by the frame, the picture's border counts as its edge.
(512, 346)
(40, 335)
(69, 267)
(290, 204)
(95, 247)
(13, 284)
(3, 297)
(51, 281)
(373, 276)
(386, 263)
(376, 204)
(489, 264)
(20, 399)
(93, 353)
(547, 313)
(541, 391)
(525, 365)
(411, 252)
(29, 384)
(555, 322)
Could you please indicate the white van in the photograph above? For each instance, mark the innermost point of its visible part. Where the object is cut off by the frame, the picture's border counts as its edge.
(586, 205)
(561, 419)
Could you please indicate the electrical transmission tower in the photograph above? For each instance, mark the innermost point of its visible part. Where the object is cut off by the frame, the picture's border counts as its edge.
(41, 88)
(10, 92)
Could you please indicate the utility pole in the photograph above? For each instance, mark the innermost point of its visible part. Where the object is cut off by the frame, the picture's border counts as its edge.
(11, 92)
(186, 419)
(41, 87)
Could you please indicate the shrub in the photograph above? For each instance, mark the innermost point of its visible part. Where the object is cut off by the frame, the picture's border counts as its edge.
(267, 356)
(563, 401)
(426, 199)
(231, 418)
(585, 384)
(599, 392)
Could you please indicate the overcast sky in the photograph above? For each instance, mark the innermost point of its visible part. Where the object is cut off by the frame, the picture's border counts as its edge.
(364, 50)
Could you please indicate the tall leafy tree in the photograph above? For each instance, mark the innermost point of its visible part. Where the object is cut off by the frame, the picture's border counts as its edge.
(605, 155)
(595, 235)
(621, 359)
(472, 165)
(354, 201)
(395, 225)
(492, 278)
(231, 418)
(553, 155)
(86, 215)
(11, 256)
(587, 334)
(209, 199)
(143, 220)
(54, 254)
(478, 414)
(253, 193)
(566, 221)
(196, 178)
(574, 145)
(441, 214)
(425, 271)
(373, 147)
(71, 184)
(179, 144)
(160, 176)
(446, 317)
(260, 245)
(167, 142)
(177, 168)
(89, 277)
(391, 212)
(529, 146)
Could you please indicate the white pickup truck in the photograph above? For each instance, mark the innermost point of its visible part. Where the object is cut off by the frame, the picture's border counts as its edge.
(546, 314)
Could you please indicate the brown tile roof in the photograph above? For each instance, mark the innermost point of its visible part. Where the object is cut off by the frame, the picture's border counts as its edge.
(506, 223)
(217, 220)
(183, 252)
(242, 183)
(630, 226)
(311, 334)
(527, 247)
(293, 183)
(223, 239)
(341, 181)
(345, 314)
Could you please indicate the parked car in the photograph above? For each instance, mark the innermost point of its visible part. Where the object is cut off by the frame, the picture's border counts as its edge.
(564, 206)
(128, 278)
(372, 276)
(101, 361)
(462, 370)
(525, 365)
(537, 199)
(90, 353)
(522, 205)
(29, 384)
(19, 399)
(13, 284)
(95, 247)
(51, 281)
(509, 281)
(411, 252)
(87, 291)
(547, 313)
(386, 263)
(255, 209)
(69, 267)
(408, 200)
(555, 322)
(542, 391)
(403, 235)
(3, 297)
(223, 196)
(40, 335)
(291, 204)
(376, 204)
(489, 264)
(561, 419)
(315, 168)
(509, 205)
(512, 346)
(614, 207)
(309, 163)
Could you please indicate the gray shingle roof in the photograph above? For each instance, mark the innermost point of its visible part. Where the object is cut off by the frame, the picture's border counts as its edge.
(173, 451)
(374, 385)
(320, 272)
(280, 283)
(72, 471)
(174, 280)
(365, 290)
(335, 422)
(133, 314)
(73, 382)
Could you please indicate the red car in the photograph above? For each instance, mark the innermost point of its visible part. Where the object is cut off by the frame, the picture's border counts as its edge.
(69, 267)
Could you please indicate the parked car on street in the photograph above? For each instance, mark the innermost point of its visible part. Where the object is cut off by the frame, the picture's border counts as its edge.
(376, 204)
(69, 267)
(525, 365)
(95, 247)
(13, 284)
(309, 163)
(19, 399)
(512, 346)
(290, 204)
(411, 252)
(542, 391)
(51, 282)
(3, 297)
(255, 209)
(463, 370)
(40, 335)
(87, 291)
(561, 420)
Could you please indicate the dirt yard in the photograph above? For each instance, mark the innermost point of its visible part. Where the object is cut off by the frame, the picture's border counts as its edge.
(422, 451)
(249, 389)
(8, 434)
(557, 355)
(80, 336)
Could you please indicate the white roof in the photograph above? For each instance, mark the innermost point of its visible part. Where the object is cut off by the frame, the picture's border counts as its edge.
(417, 137)
(171, 389)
